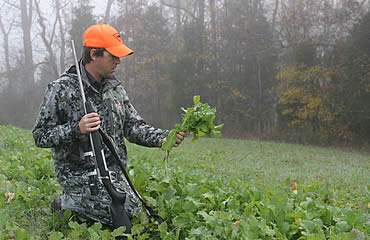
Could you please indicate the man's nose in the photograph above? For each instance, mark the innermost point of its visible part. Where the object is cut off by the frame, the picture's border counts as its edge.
(117, 60)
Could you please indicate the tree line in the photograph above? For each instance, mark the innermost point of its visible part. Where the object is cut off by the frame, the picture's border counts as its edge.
(294, 70)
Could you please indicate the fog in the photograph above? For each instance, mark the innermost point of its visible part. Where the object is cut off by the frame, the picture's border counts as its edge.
(286, 70)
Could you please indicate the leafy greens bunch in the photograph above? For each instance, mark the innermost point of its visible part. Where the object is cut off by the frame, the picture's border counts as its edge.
(196, 120)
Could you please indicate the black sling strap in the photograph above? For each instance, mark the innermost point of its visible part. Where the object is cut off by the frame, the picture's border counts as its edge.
(108, 141)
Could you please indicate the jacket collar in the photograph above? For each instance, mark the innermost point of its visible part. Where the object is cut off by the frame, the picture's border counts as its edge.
(108, 83)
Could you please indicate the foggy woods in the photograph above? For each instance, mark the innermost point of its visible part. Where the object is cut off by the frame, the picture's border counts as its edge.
(292, 70)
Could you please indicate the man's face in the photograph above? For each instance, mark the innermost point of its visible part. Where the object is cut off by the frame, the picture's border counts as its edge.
(106, 64)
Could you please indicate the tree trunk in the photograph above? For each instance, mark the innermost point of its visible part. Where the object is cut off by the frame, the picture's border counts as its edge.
(26, 8)
(62, 34)
(214, 92)
(47, 42)
(178, 27)
(107, 11)
(200, 24)
(274, 17)
(156, 93)
(9, 73)
(260, 116)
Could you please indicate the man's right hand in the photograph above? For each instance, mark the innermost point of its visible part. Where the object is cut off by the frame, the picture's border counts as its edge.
(89, 123)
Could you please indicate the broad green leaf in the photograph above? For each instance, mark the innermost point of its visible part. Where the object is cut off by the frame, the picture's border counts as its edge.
(217, 134)
(309, 226)
(56, 236)
(22, 234)
(208, 218)
(119, 231)
(183, 219)
(356, 235)
(74, 225)
(196, 100)
(163, 229)
(171, 139)
(342, 226)
(194, 140)
(218, 127)
(94, 236)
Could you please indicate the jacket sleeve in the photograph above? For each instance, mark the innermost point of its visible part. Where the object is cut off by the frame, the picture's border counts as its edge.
(52, 127)
(137, 131)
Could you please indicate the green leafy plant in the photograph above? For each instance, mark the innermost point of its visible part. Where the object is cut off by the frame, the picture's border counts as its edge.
(196, 120)
(203, 196)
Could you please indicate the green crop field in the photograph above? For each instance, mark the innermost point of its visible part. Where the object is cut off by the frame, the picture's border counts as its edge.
(217, 189)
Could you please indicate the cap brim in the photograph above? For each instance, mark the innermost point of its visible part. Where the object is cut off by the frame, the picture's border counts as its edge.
(120, 51)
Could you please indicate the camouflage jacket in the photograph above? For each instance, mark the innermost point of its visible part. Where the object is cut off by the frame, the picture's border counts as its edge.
(57, 127)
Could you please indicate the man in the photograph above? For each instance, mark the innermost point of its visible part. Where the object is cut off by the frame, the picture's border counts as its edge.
(62, 125)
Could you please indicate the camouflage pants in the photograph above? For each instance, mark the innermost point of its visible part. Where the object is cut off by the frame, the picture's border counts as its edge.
(78, 198)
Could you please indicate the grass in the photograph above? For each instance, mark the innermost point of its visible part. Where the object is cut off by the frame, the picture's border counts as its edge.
(346, 174)
(217, 189)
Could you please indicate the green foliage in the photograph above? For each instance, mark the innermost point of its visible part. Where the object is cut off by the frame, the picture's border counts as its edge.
(220, 189)
(196, 120)
(330, 99)
(304, 102)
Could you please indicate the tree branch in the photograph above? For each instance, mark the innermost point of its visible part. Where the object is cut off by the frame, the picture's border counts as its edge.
(178, 7)
(107, 10)
(47, 43)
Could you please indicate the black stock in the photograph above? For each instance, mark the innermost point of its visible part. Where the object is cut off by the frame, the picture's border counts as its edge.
(109, 143)
(119, 214)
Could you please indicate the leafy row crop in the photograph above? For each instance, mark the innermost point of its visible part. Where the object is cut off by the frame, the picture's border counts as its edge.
(216, 193)
(201, 206)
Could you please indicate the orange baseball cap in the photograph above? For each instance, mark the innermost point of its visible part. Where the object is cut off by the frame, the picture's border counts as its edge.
(105, 36)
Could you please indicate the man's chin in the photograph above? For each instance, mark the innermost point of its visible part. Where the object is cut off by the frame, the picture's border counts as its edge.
(110, 75)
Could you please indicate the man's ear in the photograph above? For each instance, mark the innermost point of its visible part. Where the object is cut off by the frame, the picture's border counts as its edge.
(92, 54)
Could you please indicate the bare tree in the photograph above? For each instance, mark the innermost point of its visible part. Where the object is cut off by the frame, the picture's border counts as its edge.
(107, 11)
(320, 23)
(48, 41)
(178, 6)
(62, 34)
(26, 8)
(274, 15)
(9, 73)
(28, 67)
(178, 26)
(201, 32)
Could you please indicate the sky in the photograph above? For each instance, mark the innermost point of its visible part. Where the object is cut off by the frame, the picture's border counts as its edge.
(7, 16)
(100, 6)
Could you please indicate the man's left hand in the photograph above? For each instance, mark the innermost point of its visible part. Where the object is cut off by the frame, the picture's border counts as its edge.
(180, 138)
